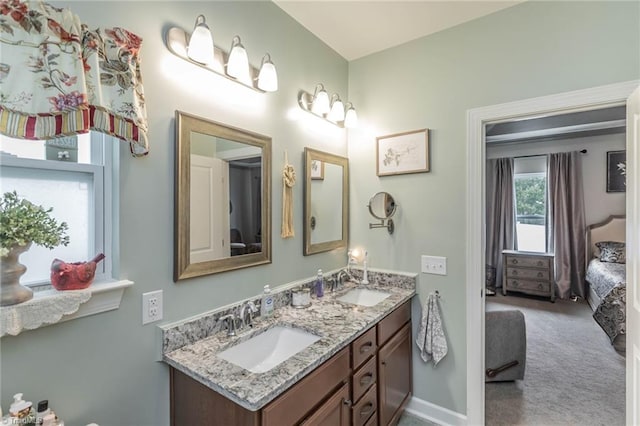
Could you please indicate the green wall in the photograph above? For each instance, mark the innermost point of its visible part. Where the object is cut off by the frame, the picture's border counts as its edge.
(103, 368)
(530, 50)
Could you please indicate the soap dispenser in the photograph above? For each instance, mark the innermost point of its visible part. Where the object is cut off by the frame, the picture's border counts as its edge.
(266, 306)
(21, 409)
(319, 284)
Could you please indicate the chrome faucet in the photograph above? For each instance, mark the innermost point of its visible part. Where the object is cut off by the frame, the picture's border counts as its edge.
(247, 311)
(230, 321)
(344, 273)
(332, 284)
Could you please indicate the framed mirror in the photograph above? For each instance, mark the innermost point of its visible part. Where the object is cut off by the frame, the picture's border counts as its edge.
(222, 217)
(326, 201)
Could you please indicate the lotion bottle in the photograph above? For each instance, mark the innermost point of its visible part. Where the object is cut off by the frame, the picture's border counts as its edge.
(319, 284)
(266, 306)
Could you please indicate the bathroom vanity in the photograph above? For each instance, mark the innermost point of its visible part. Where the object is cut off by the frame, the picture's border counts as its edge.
(357, 373)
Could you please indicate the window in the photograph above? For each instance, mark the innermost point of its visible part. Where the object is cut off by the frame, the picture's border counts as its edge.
(75, 177)
(530, 181)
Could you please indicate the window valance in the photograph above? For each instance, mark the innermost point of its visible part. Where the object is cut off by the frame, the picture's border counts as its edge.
(59, 78)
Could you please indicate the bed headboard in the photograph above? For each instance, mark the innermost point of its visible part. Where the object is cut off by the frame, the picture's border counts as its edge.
(611, 229)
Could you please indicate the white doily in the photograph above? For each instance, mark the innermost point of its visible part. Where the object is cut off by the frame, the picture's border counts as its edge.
(46, 307)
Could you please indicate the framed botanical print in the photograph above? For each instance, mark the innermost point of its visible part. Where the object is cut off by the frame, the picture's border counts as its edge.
(616, 171)
(403, 153)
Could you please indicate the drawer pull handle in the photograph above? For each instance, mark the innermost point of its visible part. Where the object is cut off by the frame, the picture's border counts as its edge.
(515, 272)
(383, 362)
(539, 274)
(366, 347)
(366, 379)
(514, 261)
(540, 286)
(346, 402)
(515, 283)
(366, 410)
(540, 263)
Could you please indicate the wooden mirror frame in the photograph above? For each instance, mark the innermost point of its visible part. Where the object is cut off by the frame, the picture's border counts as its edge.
(183, 268)
(309, 156)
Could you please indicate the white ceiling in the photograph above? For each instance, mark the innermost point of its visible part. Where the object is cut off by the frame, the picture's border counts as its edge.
(358, 28)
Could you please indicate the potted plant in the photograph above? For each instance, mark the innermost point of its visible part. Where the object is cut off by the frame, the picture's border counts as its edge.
(21, 224)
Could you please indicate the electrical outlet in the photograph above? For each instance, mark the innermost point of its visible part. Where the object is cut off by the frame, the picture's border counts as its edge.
(151, 306)
(434, 265)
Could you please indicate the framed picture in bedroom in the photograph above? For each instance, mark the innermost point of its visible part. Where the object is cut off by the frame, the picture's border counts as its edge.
(616, 171)
(317, 170)
(403, 153)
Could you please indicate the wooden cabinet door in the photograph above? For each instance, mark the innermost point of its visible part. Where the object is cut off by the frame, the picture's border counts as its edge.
(394, 376)
(334, 412)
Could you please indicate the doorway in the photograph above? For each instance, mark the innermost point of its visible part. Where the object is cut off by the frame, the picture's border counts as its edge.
(598, 97)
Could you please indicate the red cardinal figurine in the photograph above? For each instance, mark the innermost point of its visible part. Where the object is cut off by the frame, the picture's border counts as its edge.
(73, 276)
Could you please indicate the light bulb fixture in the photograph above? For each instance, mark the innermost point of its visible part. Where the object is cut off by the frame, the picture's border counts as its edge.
(331, 110)
(351, 118)
(268, 77)
(337, 109)
(238, 63)
(198, 48)
(320, 103)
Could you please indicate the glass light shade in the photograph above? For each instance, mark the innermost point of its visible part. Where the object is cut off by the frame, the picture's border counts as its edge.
(238, 63)
(200, 48)
(320, 104)
(268, 77)
(337, 111)
(351, 118)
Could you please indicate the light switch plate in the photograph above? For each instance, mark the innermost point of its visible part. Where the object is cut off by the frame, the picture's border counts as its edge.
(434, 265)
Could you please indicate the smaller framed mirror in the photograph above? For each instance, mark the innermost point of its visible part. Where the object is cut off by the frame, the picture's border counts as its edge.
(326, 201)
(382, 206)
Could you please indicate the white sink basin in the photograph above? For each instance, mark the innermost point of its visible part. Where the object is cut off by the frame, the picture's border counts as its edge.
(266, 350)
(363, 297)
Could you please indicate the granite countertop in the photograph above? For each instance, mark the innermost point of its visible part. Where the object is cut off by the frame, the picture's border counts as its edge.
(337, 323)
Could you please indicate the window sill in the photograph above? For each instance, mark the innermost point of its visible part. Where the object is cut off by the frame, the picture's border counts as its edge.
(51, 306)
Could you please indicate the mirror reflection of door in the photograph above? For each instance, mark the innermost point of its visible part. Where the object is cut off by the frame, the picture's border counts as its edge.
(326, 205)
(224, 172)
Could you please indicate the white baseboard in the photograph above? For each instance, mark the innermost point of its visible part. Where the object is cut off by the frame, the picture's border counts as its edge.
(434, 413)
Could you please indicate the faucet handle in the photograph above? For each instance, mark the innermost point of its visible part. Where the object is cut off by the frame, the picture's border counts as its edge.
(332, 284)
(230, 321)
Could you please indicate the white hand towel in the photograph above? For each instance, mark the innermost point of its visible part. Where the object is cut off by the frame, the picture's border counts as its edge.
(431, 339)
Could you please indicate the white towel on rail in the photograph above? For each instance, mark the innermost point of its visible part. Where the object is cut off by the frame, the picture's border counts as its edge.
(431, 339)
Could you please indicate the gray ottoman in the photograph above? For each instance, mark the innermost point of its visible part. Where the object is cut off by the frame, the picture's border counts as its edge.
(505, 344)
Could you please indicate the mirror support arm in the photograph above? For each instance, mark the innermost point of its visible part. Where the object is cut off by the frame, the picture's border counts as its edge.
(389, 225)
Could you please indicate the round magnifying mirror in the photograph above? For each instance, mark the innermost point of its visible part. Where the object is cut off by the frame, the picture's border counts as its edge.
(382, 205)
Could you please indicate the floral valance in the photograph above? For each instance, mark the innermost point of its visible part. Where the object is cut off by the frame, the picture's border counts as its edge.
(59, 78)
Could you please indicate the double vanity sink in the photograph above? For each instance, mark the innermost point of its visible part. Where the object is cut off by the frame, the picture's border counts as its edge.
(255, 369)
(269, 348)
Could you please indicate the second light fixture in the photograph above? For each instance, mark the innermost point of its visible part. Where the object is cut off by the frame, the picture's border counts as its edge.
(331, 109)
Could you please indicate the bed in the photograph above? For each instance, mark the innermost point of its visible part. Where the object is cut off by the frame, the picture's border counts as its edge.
(606, 277)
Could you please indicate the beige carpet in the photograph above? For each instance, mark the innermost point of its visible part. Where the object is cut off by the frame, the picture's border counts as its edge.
(573, 375)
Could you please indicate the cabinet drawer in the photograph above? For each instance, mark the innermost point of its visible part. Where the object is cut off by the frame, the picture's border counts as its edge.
(535, 274)
(363, 347)
(529, 286)
(363, 379)
(364, 409)
(294, 404)
(393, 322)
(531, 262)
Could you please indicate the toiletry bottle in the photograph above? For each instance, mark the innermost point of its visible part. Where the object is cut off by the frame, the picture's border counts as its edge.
(319, 284)
(21, 411)
(266, 306)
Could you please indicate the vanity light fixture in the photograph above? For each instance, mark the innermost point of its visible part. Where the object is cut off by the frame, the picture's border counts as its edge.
(351, 118)
(198, 48)
(337, 109)
(331, 110)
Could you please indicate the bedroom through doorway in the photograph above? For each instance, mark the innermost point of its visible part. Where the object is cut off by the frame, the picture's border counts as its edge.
(569, 358)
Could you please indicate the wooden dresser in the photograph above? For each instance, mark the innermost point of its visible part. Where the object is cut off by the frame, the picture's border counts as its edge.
(528, 272)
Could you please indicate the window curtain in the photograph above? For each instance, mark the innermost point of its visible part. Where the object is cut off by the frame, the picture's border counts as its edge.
(566, 230)
(59, 78)
(501, 213)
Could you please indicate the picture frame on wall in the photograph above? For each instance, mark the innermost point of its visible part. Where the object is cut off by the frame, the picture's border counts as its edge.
(317, 170)
(616, 171)
(403, 153)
